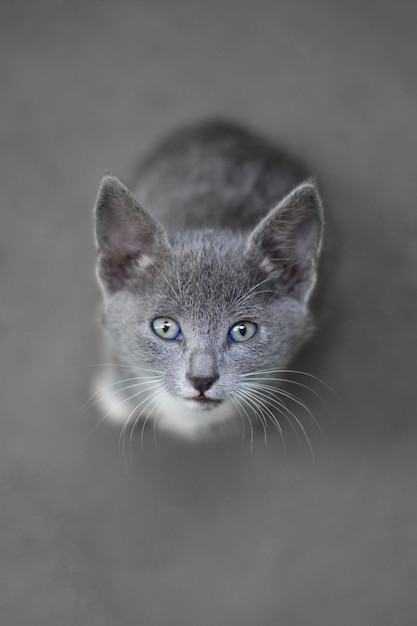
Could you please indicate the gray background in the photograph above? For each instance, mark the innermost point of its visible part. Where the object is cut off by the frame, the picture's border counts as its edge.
(211, 534)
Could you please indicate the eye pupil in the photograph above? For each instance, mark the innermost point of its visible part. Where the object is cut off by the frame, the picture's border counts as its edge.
(166, 328)
(242, 331)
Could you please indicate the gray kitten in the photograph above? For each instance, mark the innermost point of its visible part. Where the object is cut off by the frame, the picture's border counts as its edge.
(206, 290)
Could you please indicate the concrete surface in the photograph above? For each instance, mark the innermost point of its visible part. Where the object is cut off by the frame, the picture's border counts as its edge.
(210, 534)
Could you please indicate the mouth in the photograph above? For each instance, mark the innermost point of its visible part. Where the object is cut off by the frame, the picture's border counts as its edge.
(201, 402)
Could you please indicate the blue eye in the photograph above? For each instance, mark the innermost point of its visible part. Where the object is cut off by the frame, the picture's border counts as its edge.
(167, 328)
(242, 331)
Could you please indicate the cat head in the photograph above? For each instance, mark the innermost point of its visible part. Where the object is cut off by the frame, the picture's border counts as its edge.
(206, 308)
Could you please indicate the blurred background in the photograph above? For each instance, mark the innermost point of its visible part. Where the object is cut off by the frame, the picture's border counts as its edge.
(214, 533)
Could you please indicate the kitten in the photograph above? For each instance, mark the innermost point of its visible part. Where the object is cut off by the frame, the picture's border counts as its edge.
(206, 280)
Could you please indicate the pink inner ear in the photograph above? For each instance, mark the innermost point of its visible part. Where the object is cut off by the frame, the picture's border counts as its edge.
(289, 275)
(118, 269)
(307, 240)
(300, 257)
(118, 257)
(120, 244)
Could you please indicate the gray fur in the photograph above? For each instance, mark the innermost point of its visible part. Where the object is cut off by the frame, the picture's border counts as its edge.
(230, 233)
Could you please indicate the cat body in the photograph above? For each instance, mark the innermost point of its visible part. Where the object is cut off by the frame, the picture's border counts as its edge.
(206, 272)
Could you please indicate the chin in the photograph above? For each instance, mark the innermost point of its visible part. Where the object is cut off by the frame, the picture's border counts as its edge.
(193, 420)
(201, 404)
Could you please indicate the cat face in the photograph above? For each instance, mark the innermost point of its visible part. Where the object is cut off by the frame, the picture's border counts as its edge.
(205, 309)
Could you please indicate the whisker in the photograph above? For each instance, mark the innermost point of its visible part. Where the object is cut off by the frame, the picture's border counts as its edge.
(147, 402)
(249, 291)
(167, 282)
(142, 432)
(154, 429)
(179, 282)
(287, 394)
(257, 411)
(88, 403)
(238, 407)
(254, 400)
(280, 406)
(302, 404)
(292, 382)
(127, 399)
(154, 419)
(287, 371)
(256, 293)
(128, 421)
(239, 404)
(151, 402)
(108, 364)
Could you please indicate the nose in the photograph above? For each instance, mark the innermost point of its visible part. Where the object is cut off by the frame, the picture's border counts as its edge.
(202, 370)
(202, 383)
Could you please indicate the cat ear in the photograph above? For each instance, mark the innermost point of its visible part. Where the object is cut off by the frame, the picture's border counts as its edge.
(286, 244)
(130, 242)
